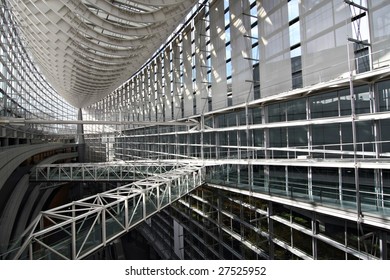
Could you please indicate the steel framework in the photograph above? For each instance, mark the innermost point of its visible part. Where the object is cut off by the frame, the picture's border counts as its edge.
(77, 229)
(102, 43)
(104, 171)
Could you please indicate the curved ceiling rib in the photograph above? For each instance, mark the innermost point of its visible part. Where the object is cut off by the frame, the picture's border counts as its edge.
(87, 48)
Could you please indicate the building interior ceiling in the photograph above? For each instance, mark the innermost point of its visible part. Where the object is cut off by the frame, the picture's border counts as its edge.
(87, 48)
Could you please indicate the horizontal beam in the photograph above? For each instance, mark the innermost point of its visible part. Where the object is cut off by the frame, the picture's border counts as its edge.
(359, 42)
(356, 5)
(21, 121)
(133, 203)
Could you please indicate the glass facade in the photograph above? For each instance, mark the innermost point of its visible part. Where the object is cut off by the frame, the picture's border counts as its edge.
(302, 130)
(24, 92)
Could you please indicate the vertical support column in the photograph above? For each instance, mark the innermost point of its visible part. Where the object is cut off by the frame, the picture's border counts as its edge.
(144, 204)
(377, 147)
(340, 170)
(73, 252)
(354, 136)
(289, 191)
(310, 182)
(104, 232)
(178, 239)
(270, 231)
(127, 214)
(202, 128)
(314, 237)
(383, 245)
(158, 198)
(30, 251)
(80, 137)
(264, 120)
(219, 217)
(4, 113)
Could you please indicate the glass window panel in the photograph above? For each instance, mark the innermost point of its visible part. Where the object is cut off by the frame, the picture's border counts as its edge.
(255, 54)
(293, 9)
(345, 102)
(258, 178)
(385, 135)
(384, 96)
(324, 105)
(253, 13)
(231, 119)
(327, 134)
(346, 134)
(258, 137)
(298, 181)
(223, 138)
(365, 136)
(254, 32)
(386, 188)
(277, 112)
(221, 121)
(243, 138)
(232, 138)
(278, 137)
(348, 186)
(297, 136)
(327, 252)
(295, 33)
(228, 52)
(367, 189)
(297, 81)
(256, 81)
(296, 64)
(277, 179)
(255, 116)
(296, 109)
(244, 177)
(242, 117)
(302, 242)
(229, 69)
(227, 35)
(325, 184)
(362, 100)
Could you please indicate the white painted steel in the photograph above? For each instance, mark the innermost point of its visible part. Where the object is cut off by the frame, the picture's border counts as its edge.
(87, 48)
(84, 226)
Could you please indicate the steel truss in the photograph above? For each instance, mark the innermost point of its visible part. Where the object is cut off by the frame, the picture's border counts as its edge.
(105, 171)
(77, 229)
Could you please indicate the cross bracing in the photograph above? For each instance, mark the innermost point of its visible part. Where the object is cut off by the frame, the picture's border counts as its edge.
(84, 226)
(105, 171)
(135, 170)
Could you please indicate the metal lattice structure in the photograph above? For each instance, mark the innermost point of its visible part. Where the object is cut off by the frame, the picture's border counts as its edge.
(75, 230)
(104, 171)
(87, 48)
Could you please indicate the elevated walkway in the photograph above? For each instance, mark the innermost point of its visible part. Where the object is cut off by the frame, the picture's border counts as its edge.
(102, 171)
(77, 229)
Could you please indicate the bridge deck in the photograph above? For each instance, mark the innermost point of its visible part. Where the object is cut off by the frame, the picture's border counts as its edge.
(77, 229)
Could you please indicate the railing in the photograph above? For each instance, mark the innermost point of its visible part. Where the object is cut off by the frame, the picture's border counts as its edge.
(322, 192)
(77, 229)
(107, 171)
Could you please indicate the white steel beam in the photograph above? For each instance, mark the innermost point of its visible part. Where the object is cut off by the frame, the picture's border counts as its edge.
(86, 225)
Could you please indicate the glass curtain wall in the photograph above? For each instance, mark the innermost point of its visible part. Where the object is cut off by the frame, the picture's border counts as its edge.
(24, 92)
(292, 134)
